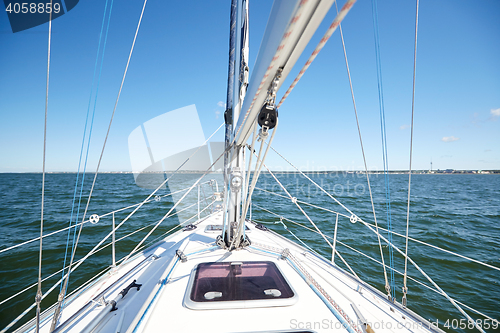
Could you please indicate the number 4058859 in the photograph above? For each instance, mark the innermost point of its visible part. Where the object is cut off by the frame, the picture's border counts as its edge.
(33, 7)
(463, 324)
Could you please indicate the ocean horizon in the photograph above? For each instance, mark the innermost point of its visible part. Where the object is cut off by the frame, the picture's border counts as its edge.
(453, 213)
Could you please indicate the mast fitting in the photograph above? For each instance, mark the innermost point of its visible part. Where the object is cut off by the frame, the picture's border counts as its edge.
(228, 116)
(268, 115)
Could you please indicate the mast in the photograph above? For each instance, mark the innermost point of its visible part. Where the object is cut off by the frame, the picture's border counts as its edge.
(228, 114)
(236, 91)
(290, 26)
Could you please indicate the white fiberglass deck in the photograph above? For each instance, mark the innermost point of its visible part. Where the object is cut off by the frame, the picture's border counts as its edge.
(159, 304)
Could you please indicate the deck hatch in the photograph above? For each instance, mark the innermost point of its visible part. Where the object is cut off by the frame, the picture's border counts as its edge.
(238, 284)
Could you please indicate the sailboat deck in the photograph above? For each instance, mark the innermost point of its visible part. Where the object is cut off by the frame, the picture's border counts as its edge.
(159, 305)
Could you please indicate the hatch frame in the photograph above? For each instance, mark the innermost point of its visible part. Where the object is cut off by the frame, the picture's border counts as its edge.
(239, 304)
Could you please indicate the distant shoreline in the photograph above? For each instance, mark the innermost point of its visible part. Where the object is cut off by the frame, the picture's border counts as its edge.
(405, 172)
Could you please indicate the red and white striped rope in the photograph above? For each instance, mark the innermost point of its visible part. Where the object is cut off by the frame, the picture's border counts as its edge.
(284, 39)
(310, 279)
(340, 16)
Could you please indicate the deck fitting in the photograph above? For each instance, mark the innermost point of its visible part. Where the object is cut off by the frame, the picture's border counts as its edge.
(181, 255)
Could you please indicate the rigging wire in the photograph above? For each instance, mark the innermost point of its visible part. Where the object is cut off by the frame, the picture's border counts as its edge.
(383, 134)
(149, 197)
(273, 193)
(84, 134)
(405, 287)
(293, 199)
(38, 297)
(56, 313)
(316, 184)
(303, 202)
(361, 220)
(315, 231)
(142, 203)
(367, 256)
(387, 287)
(179, 201)
(98, 250)
(92, 252)
(88, 220)
(440, 291)
(380, 263)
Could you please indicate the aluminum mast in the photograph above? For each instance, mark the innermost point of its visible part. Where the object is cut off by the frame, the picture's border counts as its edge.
(236, 91)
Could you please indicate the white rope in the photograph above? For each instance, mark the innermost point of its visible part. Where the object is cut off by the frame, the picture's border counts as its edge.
(303, 226)
(179, 201)
(86, 221)
(247, 180)
(146, 200)
(90, 254)
(440, 291)
(390, 231)
(405, 287)
(303, 202)
(416, 281)
(6, 328)
(256, 174)
(394, 233)
(318, 186)
(438, 248)
(294, 200)
(387, 286)
(428, 278)
(371, 258)
(38, 297)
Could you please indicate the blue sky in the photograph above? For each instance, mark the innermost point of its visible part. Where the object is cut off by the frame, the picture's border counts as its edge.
(180, 59)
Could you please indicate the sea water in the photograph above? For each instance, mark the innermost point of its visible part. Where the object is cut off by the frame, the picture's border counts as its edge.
(459, 213)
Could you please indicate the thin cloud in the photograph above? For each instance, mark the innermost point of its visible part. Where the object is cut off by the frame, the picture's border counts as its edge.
(403, 127)
(221, 104)
(494, 114)
(449, 139)
(217, 113)
(475, 120)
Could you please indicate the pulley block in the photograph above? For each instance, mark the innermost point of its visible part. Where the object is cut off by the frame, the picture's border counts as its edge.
(268, 116)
